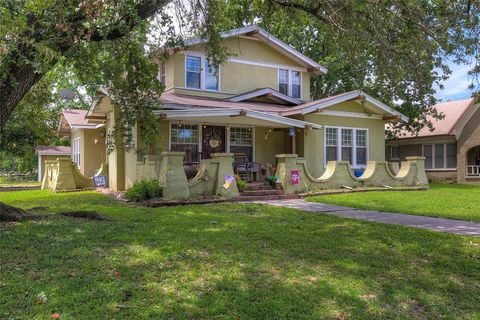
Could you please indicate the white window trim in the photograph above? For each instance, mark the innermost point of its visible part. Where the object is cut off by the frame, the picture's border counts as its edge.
(445, 168)
(200, 128)
(203, 60)
(289, 86)
(354, 146)
(76, 154)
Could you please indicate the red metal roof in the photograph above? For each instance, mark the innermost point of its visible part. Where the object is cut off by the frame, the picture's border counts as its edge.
(453, 112)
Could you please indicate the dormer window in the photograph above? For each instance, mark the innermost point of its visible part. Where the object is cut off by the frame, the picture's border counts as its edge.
(196, 77)
(289, 83)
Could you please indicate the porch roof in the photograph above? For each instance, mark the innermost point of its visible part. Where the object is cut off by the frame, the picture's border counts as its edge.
(235, 116)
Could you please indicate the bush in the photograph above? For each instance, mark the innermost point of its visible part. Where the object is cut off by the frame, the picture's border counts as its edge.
(241, 184)
(144, 189)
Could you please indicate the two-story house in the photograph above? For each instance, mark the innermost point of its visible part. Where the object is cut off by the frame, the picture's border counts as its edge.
(255, 105)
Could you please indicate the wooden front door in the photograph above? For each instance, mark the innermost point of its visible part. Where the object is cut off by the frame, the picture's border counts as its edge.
(213, 140)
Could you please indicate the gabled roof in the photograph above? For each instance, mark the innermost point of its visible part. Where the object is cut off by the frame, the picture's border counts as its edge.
(265, 92)
(53, 150)
(316, 105)
(456, 114)
(259, 33)
(75, 119)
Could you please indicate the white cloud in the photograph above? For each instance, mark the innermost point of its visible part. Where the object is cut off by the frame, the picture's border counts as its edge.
(456, 86)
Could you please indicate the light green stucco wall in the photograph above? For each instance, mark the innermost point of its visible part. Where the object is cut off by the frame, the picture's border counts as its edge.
(236, 77)
(94, 151)
(266, 149)
(314, 139)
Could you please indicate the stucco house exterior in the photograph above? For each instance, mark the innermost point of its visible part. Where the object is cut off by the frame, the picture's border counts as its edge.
(255, 106)
(49, 153)
(452, 149)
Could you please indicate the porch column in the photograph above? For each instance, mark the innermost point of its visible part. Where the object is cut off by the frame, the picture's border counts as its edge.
(172, 175)
(225, 169)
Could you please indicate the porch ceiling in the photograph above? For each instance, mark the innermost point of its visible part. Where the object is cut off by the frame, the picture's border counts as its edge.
(234, 116)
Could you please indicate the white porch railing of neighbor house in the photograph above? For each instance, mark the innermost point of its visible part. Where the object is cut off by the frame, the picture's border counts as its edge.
(473, 171)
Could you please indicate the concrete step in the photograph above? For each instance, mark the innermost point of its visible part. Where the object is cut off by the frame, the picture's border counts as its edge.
(258, 186)
(261, 192)
(262, 198)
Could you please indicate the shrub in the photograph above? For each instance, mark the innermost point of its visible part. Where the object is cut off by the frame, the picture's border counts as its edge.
(144, 189)
(241, 184)
(272, 180)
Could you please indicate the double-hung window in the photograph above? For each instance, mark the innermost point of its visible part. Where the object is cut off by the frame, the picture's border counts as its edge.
(196, 77)
(184, 137)
(194, 72)
(76, 151)
(440, 156)
(290, 83)
(346, 144)
(163, 73)
(241, 141)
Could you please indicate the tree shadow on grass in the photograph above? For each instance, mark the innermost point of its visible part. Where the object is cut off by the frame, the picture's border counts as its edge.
(235, 261)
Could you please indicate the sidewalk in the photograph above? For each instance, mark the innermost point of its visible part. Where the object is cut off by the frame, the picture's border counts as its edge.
(466, 228)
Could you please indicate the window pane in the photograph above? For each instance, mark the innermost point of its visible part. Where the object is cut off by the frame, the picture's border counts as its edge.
(331, 153)
(361, 156)
(361, 138)
(244, 150)
(241, 136)
(439, 156)
(211, 77)
(451, 155)
(347, 145)
(193, 72)
(296, 84)
(394, 153)
(184, 134)
(283, 81)
(331, 136)
(427, 153)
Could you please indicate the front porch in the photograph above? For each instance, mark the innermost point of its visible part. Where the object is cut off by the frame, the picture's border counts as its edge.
(253, 138)
(472, 169)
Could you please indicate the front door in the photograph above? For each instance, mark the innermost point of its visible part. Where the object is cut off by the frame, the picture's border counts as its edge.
(213, 140)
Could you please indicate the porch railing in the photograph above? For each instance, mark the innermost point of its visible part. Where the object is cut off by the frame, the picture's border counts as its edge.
(473, 171)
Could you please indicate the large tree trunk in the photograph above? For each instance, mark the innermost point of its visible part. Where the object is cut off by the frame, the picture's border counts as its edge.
(9, 213)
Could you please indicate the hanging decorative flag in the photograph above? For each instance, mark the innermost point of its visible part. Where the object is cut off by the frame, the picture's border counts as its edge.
(228, 181)
(294, 177)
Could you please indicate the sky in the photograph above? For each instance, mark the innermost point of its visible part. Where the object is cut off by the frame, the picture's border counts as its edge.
(456, 87)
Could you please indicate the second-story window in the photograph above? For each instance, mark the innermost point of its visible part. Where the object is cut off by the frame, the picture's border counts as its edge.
(283, 81)
(296, 84)
(194, 72)
(289, 83)
(163, 73)
(211, 77)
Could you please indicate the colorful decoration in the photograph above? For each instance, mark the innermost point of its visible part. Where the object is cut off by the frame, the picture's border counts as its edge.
(294, 177)
(228, 181)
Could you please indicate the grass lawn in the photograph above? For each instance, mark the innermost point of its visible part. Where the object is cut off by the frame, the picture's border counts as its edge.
(453, 201)
(228, 261)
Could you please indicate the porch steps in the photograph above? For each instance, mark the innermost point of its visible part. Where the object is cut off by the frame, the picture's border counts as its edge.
(257, 191)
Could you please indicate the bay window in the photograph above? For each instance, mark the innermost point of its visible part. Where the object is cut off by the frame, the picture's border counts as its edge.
(290, 83)
(440, 156)
(346, 144)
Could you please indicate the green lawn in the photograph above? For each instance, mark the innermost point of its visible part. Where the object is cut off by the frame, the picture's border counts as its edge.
(460, 202)
(8, 182)
(228, 261)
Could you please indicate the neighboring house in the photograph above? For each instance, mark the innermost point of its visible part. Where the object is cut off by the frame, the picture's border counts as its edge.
(256, 104)
(87, 140)
(452, 150)
(45, 153)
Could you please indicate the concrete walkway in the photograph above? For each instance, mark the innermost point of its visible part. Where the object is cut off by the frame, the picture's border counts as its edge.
(436, 224)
